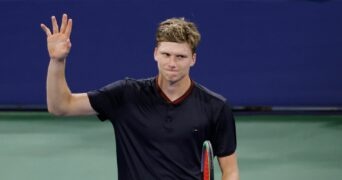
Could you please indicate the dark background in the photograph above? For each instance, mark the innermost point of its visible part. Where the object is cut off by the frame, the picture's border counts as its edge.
(255, 53)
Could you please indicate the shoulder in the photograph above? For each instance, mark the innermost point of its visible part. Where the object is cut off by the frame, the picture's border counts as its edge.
(130, 83)
(208, 94)
(138, 85)
(139, 82)
(126, 88)
(210, 98)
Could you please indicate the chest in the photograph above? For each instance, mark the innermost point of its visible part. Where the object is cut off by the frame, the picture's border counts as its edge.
(190, 121)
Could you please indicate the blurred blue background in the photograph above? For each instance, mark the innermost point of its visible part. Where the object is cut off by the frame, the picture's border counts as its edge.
(255, 53)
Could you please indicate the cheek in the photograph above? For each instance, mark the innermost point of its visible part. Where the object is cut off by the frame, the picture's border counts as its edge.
(184, 68)
(162, 63)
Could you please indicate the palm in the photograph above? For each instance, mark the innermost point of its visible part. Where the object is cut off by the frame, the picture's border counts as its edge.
(58, 46)
(58, 41)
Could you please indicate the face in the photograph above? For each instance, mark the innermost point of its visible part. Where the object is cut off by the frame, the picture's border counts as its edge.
(174, 60)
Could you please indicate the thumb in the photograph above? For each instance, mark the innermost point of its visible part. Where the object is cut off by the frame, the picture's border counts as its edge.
(69, 42)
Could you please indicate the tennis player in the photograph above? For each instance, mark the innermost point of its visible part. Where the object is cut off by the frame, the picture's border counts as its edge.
(160, 122)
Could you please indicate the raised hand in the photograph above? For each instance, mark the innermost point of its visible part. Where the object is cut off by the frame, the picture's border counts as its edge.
(58, 41)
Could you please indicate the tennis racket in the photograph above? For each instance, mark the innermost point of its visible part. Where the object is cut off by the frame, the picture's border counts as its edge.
(207, 165)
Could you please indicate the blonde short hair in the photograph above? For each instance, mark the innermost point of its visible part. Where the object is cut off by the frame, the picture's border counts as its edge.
(178, 30)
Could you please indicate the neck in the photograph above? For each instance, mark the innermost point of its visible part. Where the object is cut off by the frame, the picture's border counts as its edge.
(174, 90)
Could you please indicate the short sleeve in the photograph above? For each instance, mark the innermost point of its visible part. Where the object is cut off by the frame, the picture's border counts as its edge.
(224, 140)
(107, 100)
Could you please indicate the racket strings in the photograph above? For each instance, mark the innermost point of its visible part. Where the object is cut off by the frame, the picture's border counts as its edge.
(207, 161)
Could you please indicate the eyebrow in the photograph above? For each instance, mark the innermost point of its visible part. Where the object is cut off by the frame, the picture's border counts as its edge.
(176, 54)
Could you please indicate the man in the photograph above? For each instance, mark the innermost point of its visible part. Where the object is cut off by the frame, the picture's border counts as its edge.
(161, 122)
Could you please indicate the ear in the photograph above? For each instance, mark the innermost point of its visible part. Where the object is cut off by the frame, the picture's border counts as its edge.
(193, 59)
(155, 53)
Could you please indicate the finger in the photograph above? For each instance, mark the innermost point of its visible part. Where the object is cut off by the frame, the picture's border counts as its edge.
(45, 29)
(64, 22)
(54, 24)
(69, 43)
(68, 28)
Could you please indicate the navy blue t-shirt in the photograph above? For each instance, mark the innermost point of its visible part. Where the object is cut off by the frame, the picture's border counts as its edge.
(159, 139)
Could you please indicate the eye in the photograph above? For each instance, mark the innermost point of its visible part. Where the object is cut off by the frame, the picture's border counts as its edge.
(166, 54)
(181, 56)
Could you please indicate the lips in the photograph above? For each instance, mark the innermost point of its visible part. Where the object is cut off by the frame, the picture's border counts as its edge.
(173, 71)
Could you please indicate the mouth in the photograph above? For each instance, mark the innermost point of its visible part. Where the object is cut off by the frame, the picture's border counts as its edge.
(169, 70)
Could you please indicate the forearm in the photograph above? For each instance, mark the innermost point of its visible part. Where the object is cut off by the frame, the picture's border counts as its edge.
(57, 90)
(230, 176)
(229, 167)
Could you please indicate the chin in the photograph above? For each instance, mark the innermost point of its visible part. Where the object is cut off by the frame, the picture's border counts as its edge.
(174, 79)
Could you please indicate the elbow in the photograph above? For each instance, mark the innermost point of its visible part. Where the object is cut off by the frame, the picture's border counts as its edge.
(57, 107)
(56, 111)
(231, 176)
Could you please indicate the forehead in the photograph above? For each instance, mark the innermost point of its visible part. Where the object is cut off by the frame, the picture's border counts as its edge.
(174, 47)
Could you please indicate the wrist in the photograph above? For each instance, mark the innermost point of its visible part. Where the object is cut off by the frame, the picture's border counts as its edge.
(57, 59)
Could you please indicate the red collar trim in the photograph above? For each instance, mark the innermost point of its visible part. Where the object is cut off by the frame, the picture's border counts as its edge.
(177, 101)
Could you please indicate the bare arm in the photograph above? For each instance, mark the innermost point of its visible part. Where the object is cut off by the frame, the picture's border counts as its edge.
(229, 167)
(60, 100)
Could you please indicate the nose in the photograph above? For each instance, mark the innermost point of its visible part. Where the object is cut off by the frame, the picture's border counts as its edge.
(172, 62)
